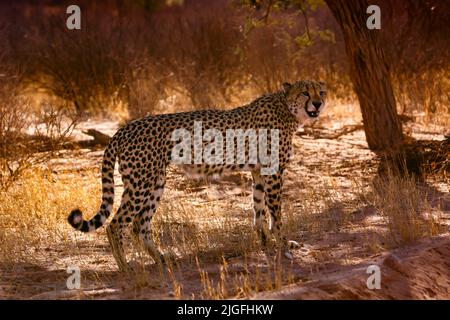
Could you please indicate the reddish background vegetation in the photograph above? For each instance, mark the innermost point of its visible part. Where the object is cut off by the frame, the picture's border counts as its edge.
(138, 52)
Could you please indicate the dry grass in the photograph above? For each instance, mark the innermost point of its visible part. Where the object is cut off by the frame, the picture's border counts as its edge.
(204, 234)
(245, 283)
(34, 212)
(405, 206)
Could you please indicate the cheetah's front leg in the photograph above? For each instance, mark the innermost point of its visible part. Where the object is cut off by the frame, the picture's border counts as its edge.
(273, 185)
(259, 208)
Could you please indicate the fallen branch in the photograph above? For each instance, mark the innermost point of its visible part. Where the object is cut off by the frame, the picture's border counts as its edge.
(320, 134)
(99, 137)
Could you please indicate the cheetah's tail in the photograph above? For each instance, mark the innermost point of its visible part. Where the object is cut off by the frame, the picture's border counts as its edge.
(76, 216)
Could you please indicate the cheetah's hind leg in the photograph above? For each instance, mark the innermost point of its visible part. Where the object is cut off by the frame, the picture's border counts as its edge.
(114, 232)
(143, 222)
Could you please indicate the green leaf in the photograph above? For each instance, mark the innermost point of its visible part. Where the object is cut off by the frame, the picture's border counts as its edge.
(303, 40)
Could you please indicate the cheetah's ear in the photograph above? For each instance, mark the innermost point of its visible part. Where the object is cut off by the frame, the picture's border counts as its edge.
(286, 87)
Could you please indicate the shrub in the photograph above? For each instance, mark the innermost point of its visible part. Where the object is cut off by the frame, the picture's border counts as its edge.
(27, 137)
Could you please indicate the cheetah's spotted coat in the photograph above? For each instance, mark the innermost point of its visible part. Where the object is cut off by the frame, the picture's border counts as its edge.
(143, 150)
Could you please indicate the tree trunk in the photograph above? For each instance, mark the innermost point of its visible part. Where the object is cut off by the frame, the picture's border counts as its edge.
(370, 76)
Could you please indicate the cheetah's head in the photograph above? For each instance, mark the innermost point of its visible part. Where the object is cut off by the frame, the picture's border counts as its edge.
(305, 99)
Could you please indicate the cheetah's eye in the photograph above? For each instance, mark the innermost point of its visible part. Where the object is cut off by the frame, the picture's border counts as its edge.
(305, 93)
(322, 93)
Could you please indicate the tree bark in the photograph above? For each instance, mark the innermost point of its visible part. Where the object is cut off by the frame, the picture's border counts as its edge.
(369, 73)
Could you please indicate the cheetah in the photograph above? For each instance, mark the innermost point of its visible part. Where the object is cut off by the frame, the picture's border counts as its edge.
(145, 147)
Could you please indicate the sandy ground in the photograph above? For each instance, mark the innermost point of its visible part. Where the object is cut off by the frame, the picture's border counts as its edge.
(330, 264)
(419, 271)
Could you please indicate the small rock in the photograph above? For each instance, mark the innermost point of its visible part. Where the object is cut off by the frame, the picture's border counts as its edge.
(393, 262)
